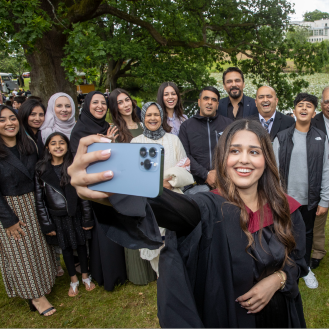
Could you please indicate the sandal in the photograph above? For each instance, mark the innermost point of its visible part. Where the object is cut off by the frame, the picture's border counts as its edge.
(87, 282)
(33, 309)
(74, 286)
(60, 272)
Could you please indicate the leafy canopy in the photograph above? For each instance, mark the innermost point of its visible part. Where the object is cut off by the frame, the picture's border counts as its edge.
(311, 16)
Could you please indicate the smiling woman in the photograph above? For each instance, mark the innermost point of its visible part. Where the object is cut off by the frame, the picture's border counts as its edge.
(32, 114)
(60, 116)
(236, 254)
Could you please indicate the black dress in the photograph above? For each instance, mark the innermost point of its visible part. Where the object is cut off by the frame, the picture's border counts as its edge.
(204, 265)
(69, 232)
(107, 258)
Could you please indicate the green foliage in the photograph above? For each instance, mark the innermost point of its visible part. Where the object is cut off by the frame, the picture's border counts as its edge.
(14, 63)
(298, 34)
(138, 44)
(311, 16)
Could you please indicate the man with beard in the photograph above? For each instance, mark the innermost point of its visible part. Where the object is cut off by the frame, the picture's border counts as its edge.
(273, 121)
(199, 136)
(236, 105)
(320, 121)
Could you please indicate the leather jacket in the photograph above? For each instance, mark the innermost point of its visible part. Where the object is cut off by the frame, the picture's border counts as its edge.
(51, 200)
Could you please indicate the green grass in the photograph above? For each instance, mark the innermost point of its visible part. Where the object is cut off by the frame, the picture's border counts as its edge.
(132, 306)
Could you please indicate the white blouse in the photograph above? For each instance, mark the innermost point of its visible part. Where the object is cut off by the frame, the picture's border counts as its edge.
(173, 147)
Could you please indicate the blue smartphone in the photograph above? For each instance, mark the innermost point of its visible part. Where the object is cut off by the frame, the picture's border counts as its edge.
(137, 169)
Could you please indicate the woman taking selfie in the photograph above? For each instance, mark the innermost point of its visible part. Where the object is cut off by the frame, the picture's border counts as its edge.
(60, 116)
(32, 114)
(107, 260)
(64, 217)
(122, 108)
(26, 261)
(170, 100)
(235, 255)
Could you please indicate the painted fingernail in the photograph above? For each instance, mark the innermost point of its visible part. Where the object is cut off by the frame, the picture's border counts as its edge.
(248, 312)
(108, 174)
(236, 300)
(105, 140)
(106, 152)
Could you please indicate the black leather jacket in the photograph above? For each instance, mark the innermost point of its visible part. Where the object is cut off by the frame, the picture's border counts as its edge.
(52, 201)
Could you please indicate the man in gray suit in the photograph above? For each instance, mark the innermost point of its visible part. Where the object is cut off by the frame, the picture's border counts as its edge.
(236, 105)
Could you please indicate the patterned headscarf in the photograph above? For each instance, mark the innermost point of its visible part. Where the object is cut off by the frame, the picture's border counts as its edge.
(155, 135)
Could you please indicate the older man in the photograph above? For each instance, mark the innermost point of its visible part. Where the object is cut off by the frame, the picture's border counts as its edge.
(320, 121)
(271, 119)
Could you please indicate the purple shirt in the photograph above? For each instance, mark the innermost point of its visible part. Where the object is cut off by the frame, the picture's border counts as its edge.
(175, 123)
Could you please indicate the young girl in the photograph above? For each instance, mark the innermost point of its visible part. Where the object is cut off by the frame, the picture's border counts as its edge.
(64, 217)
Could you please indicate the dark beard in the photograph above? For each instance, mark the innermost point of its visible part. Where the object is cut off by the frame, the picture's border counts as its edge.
(235, 96)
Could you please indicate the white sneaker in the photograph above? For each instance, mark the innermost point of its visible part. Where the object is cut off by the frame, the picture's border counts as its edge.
(310, 280)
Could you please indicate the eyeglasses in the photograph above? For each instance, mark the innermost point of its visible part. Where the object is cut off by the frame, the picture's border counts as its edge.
(326, 102)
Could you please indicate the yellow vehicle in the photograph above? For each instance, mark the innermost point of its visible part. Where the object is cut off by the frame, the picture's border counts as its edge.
(85, 87)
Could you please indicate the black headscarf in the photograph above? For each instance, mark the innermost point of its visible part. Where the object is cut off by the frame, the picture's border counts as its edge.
(87, 124)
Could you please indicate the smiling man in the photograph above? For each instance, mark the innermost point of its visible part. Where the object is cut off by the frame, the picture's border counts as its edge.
(271, 119)
(199, 136)
(236, 105)
(301, 152)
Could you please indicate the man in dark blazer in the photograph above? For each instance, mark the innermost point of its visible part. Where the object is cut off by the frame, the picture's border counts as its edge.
(320, 121)
(236, 105)
(273, 121)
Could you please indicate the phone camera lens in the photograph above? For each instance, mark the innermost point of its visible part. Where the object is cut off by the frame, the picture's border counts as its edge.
(153, 152)
(143, 152)
(147, 164)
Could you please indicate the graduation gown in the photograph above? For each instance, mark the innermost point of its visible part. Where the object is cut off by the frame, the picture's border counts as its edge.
(204, 266)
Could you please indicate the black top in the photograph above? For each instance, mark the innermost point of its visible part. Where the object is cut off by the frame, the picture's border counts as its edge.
(249, 106)
(204, 266)
(58, 170)
(318, 122)
(199, 136)
(239, 114)
(16, 178)
(15, 151)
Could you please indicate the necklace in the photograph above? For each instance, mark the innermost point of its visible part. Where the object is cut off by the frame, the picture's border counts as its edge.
(134, 126)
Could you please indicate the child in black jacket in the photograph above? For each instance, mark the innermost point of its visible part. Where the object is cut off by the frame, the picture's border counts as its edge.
(64, 217)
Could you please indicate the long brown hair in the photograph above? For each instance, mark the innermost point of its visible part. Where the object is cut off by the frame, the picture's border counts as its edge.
(269, 188)
(178, 109)
(124, 134)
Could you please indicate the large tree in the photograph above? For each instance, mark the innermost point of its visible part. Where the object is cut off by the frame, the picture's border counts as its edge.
(254, 28)
(311, 16)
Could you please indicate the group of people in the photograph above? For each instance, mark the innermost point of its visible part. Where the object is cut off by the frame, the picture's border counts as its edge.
(246, 194)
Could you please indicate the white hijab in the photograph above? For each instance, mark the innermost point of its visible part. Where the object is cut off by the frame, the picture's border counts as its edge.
(53, 123)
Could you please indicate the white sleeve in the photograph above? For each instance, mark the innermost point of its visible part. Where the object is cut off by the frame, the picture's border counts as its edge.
(324, 194)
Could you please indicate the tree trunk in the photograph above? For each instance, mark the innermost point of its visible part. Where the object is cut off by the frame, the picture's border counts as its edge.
(112, 73)
(47, 74)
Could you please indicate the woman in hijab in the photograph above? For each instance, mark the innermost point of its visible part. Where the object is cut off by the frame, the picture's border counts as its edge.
(107, 259)
(176, 164)
(60, 116)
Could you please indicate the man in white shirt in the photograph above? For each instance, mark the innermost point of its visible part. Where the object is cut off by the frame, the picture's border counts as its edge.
(271, 119)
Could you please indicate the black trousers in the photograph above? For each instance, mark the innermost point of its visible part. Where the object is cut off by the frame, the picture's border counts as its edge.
(309, 219)
(69, 259)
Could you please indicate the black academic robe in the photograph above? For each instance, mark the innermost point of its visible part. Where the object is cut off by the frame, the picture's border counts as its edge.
(204, 268)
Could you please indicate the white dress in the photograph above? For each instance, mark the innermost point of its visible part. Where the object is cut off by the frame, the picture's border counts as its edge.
(174, 152)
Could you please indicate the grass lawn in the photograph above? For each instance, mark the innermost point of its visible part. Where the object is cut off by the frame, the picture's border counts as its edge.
(132, 306)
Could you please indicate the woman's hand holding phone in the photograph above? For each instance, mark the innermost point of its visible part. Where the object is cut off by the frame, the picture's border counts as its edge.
(77, 171)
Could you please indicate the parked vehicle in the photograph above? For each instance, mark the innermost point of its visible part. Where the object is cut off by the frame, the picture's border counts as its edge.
(26, 74)
(7, 85)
